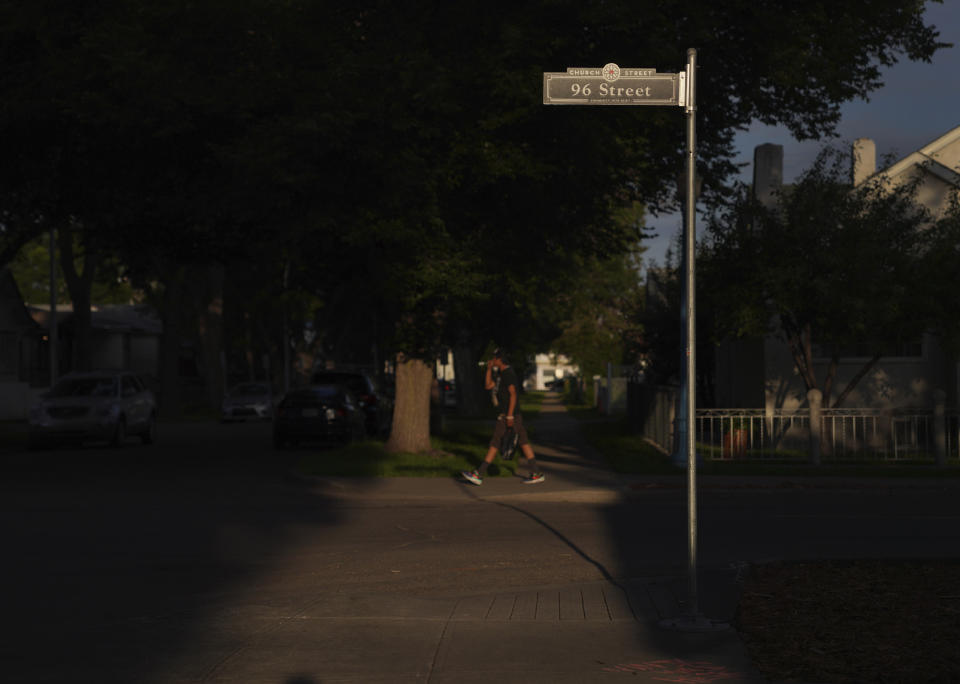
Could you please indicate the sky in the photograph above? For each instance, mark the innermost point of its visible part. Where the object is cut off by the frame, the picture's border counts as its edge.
(918, 103)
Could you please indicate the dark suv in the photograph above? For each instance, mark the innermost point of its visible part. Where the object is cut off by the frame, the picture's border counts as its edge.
(377, 405)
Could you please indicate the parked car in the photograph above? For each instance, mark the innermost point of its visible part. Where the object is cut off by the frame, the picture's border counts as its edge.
(95, 405)
(377, 405)
(318, 413)
(248, 400)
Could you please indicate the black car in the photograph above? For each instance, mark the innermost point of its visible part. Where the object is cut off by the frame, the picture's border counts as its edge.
(319, 413)
(376, 405)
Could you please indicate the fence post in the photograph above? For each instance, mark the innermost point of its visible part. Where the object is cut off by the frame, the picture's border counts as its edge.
(940, 427)
(815, 399)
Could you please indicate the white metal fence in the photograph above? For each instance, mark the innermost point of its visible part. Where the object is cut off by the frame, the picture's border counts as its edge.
(846, 434)
(781, 435)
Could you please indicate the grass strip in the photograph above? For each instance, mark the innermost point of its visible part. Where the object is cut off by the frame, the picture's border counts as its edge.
(460, 445)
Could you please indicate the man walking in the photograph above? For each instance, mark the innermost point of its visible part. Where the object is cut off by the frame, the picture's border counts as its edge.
(508, 402)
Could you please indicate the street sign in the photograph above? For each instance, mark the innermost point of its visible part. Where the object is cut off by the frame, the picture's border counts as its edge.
(612, 85)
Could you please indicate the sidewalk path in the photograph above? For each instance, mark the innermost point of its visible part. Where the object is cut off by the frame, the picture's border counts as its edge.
(586, 632)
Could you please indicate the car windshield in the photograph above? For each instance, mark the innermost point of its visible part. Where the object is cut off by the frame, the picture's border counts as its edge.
(317, 392)
(357, 384)
(249, 389)
(85, 387)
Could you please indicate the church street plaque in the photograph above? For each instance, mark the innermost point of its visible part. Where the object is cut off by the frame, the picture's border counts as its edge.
(612, 85)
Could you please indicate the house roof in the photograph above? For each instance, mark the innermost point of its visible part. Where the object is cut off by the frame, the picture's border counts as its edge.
(120, 318)
(928, 157)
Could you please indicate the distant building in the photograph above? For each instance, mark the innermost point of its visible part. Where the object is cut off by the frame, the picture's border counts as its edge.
(760, 372)
(122, 337)
(550, 367)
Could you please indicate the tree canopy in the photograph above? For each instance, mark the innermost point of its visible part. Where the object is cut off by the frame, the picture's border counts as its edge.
(395, 159)
(840, 268)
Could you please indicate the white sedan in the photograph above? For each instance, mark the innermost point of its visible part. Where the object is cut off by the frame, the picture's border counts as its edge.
(96, 405)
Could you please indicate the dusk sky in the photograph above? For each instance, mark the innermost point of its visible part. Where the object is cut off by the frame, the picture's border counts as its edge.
(918, 103)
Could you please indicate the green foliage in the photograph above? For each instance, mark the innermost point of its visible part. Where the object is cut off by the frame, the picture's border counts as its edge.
(939, 267)
(829, 265)
(31, 270)
(602, 311)
(397, 157)
(599, 309)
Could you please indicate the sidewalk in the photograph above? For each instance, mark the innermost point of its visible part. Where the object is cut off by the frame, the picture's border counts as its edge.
(592, 632)
(588, 632)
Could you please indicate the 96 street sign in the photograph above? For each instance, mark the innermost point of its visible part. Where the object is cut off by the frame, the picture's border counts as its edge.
(611, 85)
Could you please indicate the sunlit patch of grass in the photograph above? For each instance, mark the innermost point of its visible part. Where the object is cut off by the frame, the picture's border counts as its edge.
(461, 446)
(624, 451)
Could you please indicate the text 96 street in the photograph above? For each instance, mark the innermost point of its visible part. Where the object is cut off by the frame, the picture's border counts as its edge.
(607, 90)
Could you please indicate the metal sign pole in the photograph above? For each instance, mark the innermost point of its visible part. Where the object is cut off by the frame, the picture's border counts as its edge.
(611, 85)
(52, 331)
(690, 247)
(692, 620)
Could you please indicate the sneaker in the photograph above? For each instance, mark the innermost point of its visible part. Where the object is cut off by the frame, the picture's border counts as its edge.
(472, 476)
(533, 478)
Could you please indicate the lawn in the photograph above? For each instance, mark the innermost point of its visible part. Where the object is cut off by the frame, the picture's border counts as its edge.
(853, 621)
(460, 445)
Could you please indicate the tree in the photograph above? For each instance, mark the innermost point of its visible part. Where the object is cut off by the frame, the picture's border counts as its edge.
(601, 305)
(940, 269)
(830, 265)
(187, 133)
(494, 169)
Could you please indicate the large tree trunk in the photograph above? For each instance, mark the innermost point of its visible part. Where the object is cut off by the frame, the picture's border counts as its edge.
(410, 432)
(210, 330)
(79, 284)
(171, 402)
(866, 368)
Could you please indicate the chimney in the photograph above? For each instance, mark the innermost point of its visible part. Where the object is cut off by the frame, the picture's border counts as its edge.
(767, 172)
(864, 160)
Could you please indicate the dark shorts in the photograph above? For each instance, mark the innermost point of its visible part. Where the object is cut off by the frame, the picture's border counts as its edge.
(501, 427)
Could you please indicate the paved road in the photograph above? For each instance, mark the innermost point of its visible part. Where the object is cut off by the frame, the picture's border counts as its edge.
(200, 559)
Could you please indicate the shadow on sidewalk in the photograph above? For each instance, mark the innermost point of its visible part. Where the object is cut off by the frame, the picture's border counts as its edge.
(122, 561)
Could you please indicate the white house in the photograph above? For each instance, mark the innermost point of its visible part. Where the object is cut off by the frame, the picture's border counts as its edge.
(760, 373)
(121, 337)
(550, 367)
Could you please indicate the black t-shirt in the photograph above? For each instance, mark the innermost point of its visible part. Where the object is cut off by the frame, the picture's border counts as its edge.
(508, 377)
